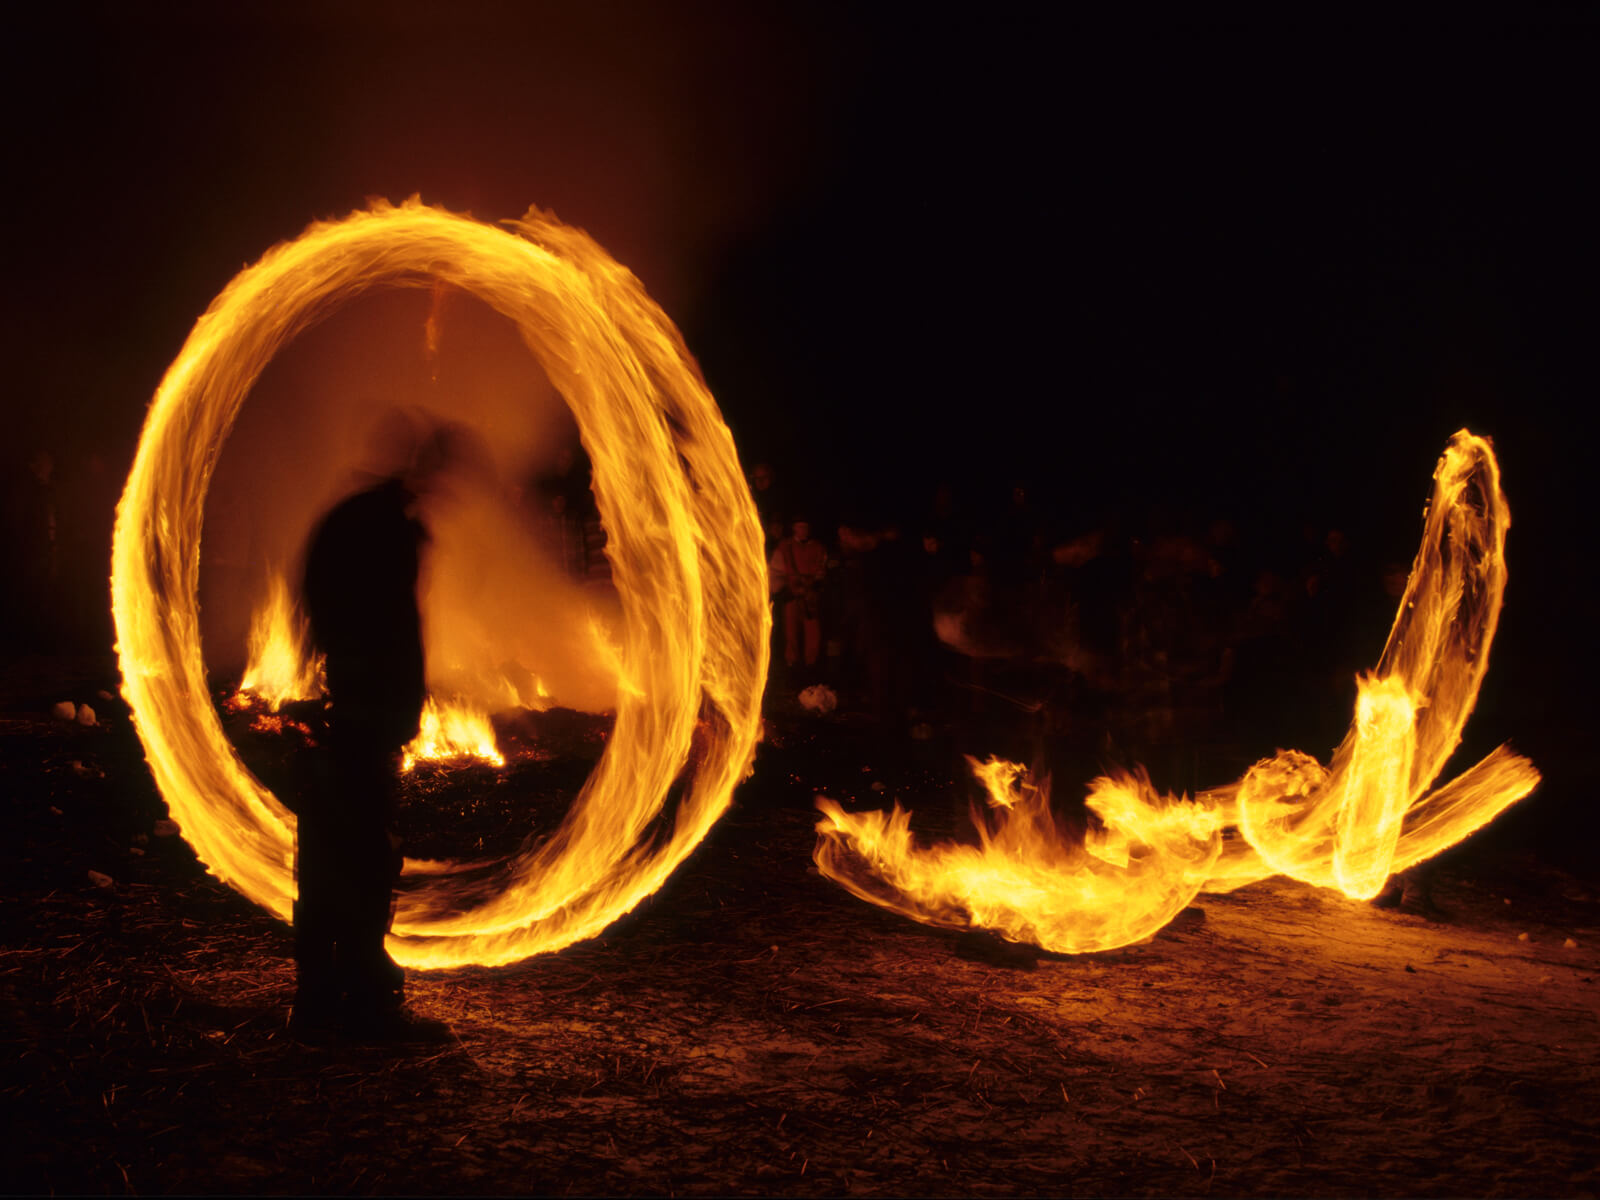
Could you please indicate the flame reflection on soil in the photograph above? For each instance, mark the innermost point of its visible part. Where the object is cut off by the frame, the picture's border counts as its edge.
(684, 540)
(1372, 811)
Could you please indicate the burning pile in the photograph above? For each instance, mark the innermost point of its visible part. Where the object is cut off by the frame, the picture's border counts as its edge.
(1372, 811)
(684, 543)
(456, 727)
(282, 668)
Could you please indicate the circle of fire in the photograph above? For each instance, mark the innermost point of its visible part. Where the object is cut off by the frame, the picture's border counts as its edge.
(684, 539)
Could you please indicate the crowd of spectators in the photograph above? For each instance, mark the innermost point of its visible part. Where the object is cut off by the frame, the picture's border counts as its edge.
(1153, 635)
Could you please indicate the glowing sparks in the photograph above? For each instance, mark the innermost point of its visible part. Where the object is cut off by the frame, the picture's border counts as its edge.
(1373, 810)
(683, 538)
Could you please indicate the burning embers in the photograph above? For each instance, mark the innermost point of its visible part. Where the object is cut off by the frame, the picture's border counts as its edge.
(452, 733)
(282, 669)
(1372, 811)
(684, 545)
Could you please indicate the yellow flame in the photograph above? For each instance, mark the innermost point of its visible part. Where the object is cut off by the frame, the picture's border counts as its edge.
(452, 731)
(1028, 880)
(281, 669)
(1373, 810)
(684, 541)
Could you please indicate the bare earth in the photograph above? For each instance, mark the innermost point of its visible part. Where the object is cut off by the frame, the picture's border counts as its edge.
(753, 1029)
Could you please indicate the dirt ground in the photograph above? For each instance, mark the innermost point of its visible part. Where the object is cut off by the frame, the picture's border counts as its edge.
(754, 1029)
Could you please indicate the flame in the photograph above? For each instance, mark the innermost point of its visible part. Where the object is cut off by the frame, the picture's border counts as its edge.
(683, 537)
(1372, 811)
(452, 731)
(1027, 879)
(281, 668)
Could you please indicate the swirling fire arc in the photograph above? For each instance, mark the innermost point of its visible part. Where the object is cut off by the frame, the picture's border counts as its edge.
(684, 539)
(1372, 811)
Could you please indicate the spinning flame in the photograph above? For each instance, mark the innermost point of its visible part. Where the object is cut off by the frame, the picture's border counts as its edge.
(1373, 810)
(684, 540)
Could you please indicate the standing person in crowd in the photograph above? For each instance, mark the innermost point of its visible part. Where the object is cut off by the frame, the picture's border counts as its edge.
(765, 494)
(568, 504)
(796, 572)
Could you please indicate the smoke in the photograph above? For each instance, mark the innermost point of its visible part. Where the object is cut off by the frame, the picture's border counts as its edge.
(503, 624)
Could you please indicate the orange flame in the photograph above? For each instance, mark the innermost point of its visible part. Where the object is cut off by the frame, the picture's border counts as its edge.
(684, 540)
(1026, 880)
(281, 668)
(1373, 810)
(453, 731)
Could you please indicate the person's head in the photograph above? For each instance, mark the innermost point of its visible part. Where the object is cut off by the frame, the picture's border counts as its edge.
(760, 477)
(801, 530)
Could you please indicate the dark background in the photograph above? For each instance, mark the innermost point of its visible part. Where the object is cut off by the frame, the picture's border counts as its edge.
(1260, 271)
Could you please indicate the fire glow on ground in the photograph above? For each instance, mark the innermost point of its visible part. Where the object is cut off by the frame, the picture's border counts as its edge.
(753, 1028)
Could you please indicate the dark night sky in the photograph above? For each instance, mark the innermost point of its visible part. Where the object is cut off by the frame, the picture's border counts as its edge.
(1244, 269)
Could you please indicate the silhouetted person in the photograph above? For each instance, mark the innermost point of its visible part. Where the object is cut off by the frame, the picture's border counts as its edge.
(569, 506)
(796, 571)
(360, 593)
(764, 492)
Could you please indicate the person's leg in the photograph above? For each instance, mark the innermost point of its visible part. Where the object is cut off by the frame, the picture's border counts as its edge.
(317, 990)
(373, 983)
(317, 874)
(371, 980)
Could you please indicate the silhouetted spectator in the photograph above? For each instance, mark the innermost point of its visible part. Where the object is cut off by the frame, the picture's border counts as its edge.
(887, 618)
(1017, 543)
(1337, 647)
(1265, 698)
(946, 522)
(569, 509)
(360, 593)
(796, 572)
(765, 494)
